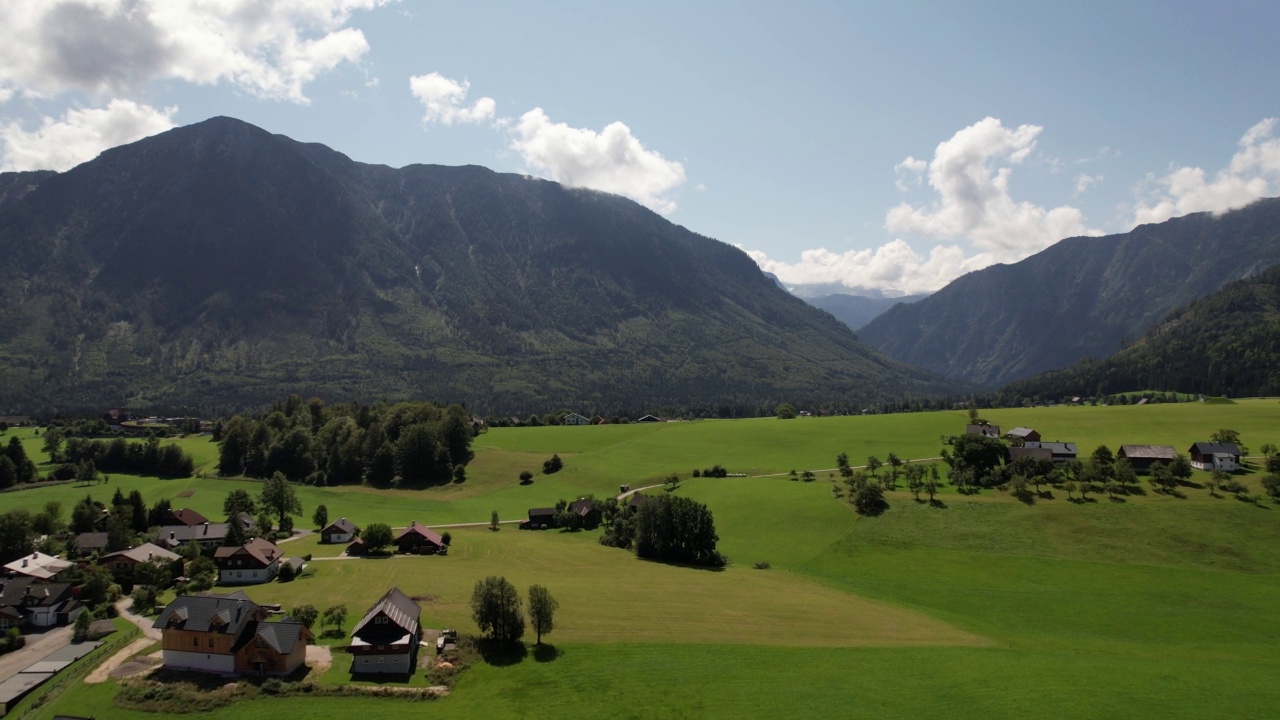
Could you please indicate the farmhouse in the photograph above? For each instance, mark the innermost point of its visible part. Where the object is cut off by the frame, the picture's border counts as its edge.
(574, 419)
(122, 564)
(90, 542)
(419, 540)
(186, 516)
(1059, 452)
(37, 565)
(229, 634)
(1215, 456)
(208, 535)
(27, 601)
(599, 420)
(341, 530)
(983, 429)
(257, 561)
(1142, 457)
(386, 639)
(588, 510)
(1023, 435)
(541, 518)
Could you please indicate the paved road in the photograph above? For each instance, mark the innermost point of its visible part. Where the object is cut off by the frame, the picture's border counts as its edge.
(37, 647)
(143, 623)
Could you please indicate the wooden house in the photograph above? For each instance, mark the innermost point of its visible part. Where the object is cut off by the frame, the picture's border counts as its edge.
(1142, 457)
(540, 518)
(122, 564)
(1059, 452)
(1215, 456)
(1021, 435)
(257, 561)
(588, 511)
(341, 530)
(229, 635)
(983, 429)
(419, 540)
(89, 543)
(386, 639)
(186, 516)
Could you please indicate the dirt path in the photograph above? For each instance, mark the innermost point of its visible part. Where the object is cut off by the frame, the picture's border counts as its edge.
(103, 671)
(319, 657)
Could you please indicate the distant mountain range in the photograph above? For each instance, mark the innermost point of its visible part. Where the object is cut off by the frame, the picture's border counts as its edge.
(1083, 297)
(1226, 344)
(217, 266)
(855, 310)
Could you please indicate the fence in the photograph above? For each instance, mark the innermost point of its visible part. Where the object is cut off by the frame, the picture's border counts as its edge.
(78, 670)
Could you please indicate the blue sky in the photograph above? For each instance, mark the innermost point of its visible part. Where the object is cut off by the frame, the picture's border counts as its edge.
(865, 148)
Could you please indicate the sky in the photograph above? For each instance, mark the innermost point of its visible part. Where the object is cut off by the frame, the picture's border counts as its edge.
(867, 148)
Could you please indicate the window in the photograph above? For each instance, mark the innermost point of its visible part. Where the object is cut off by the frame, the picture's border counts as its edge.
(195, 641)
(381, 659)
(210, 642)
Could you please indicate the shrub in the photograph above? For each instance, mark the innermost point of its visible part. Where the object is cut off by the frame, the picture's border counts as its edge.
(287, 573)
(762, 565)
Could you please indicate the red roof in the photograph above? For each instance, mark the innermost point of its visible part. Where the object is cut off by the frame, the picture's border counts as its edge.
(188, 517)
(424, 531)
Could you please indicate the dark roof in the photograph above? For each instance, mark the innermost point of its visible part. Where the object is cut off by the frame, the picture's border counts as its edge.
(198, 612)
(637, 500)
(1210, 448)
(91, 540)
(31, 592)
(985, 430)
(582, 507)
(187, 516)
(1030, 452)
(1057, 448)
(541, 512)
(263, 551)
(649, 418)
(341, 525)
(212, 532)
(245, 519)
(424, 531)
(397, 606)
(282, 636)
(1150, 452)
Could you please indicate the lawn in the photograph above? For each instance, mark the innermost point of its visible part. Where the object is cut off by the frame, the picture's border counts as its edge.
(980, 607)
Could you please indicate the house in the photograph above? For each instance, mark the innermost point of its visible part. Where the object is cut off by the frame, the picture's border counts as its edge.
(386, 639)
(244, 519)
(209, 535)
(121, 564)
(1215, 456)
(419, 540)
(649, 419)
(229, 635)
(1142, 457)
(37, 565)
(1036, 453)
(637, 500)
(257, 561)
(540, 518)
(355, 547)
(1059, 452)
(1023, 435)
(599, 420)
(983, 429)
(574, 419)
(588, 510)
(186, 516)
(90, 542)
(341, 530)
(26, 601)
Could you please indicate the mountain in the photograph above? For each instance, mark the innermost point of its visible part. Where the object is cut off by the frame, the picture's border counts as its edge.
(1081, 297)
(1226, 344)
(856, 310)
(216, 266)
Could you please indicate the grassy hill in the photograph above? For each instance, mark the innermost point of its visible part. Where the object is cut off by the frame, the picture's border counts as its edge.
(982, 607)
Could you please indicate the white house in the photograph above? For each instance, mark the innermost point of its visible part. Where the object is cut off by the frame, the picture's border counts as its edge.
(257, 561)
(341, 530)
(575, 419)
(1215, 456)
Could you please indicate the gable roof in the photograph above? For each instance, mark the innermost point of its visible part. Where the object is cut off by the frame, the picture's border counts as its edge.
(223, 614)
(1057, 448)
(245, 519)
(259, 549)
(542, 512)
(91, 541)
(1021, 432)
(282, 635)
(210, 532)
(1212, 448)
(426, 532)
(984, 430)
(397, 606)
(30, 592)
(582, 506)
(1150, 452)
(143, 553)
(187, 516)
(341, 525)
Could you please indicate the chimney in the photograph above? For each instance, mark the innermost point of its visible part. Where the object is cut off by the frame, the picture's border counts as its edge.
(206, 529)
(172, 535)
(149, 554)
(24, 562)
(413, 523)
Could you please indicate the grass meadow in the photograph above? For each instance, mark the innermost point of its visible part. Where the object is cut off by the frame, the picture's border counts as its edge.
(978, 606)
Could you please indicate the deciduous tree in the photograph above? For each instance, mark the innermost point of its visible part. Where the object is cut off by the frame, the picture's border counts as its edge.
(495, 607)
(542, 611)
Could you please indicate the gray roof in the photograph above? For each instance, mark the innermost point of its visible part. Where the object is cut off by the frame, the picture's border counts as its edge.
(91, 540)
(1020, 432)
(1209, 448)
(984, 430)
(1057, 448)
(282, 635)
(30, 592)
(144, 553)
(1148, 452)
(212, 532)
(341, 525)
(397, 606)
(198, 612)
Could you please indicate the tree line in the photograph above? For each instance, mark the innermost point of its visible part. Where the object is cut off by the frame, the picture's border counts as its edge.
(408, 444)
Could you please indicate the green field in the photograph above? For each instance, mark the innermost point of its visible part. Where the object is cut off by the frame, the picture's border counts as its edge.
(981, 607)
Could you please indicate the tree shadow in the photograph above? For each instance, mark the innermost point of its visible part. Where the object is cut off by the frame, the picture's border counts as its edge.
(546, 653)
(501, 653)
(1026, 498)
(1045, 494)
(1190, 484)
(1116, 499)
(937, 503)
(382, 678)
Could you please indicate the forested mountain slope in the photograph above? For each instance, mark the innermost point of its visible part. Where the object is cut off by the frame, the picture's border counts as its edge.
(217, 265)
(1083, 297)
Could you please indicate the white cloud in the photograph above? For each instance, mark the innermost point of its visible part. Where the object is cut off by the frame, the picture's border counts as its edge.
(99, 47)
(1254, 172)
(974, 216)
(80, 135)
(443, 99)
(612, 160)
(970, 172)
(1084, 182)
